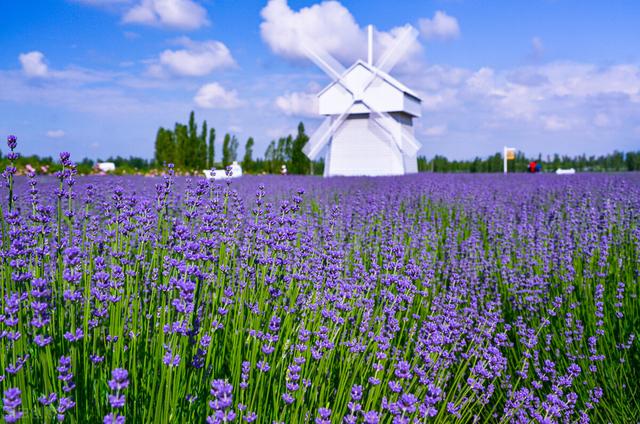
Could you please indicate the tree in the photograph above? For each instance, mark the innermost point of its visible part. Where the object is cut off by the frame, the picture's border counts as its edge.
(212, 149)
(201, 158)
(270, 156)
(300, 163)
(191, 150)
(181, 143)
(227, 150)
(233, 149)
(247, 161)
(161, 146)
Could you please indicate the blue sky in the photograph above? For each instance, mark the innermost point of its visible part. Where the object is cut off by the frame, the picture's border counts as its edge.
(98, 77)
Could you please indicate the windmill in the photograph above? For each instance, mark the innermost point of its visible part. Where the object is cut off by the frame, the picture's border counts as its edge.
(368, 128)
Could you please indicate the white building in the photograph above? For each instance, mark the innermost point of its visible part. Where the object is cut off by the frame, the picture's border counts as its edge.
(359, 146)
(368, 126)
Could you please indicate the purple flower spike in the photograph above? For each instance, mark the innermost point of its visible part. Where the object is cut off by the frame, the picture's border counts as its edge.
(113, 418)
(12, 142)
(119, 379)
(11, 402)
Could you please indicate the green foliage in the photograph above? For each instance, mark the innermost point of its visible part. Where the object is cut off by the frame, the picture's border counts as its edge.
(300, 163)
(165, 147)
(613, 162)
(226, 150)
(211, 153)
(247, 161)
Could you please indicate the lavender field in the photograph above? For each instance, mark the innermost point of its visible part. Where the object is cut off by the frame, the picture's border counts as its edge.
(426, 298)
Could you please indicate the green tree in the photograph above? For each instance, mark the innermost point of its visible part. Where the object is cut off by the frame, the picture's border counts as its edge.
(270, 157)
(182, 143)
(300, 163)
(247, 161)
(202, 147)
(226, 150)
(233, 149)
(191, 151)
(162, 146)
(212, 148)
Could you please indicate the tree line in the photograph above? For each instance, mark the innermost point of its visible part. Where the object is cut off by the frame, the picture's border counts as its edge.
(612, 162)
(192, 150)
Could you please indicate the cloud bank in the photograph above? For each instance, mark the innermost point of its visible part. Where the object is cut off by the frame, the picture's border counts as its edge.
(215, 96)
(441, 26)
(195, 59)
(180, 14)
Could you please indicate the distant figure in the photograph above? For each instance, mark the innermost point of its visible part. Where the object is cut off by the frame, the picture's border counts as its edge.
(283, 170)
(533, 167)
(538, 167)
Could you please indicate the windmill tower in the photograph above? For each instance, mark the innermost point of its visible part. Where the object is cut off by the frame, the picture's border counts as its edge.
(368, 129)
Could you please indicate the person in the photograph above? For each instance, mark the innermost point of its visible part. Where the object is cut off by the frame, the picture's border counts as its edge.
(538, 167)
(532, 167)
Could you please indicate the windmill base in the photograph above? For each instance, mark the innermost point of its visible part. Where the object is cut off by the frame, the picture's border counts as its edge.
(361, 148)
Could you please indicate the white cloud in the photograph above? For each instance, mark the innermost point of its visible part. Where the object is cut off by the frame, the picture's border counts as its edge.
(33, 64)
(182, 14)
(55, 133)
(555, 123)
(602, 120)
(327, 26)
(554, 102)
(435, 131)
(537, 47)
(441, 26)
(196, 59)
(298, 104)
(214, 96)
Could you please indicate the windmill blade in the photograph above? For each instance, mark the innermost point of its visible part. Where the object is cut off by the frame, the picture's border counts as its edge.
(379, 123)
(317, 140)
(392, 55)
(332, 67)
(401, 45)
(404, 140)
(384, 120)
(323, 134)
(410, 143)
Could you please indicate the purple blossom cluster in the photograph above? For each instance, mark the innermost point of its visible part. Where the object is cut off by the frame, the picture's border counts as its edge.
(424, 298)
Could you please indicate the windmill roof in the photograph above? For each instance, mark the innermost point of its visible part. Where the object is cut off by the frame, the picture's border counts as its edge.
(388, 78)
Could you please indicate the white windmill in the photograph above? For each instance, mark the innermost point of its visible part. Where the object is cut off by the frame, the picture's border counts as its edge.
(368, 129)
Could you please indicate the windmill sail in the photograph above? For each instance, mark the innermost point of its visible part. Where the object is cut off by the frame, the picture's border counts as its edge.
(387, 105)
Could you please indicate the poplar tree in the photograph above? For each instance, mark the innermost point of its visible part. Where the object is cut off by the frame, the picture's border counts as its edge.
(182, 142)
(300, 163)
(201, 157)
(247, 161)
(212, 149)
(226, 150)
(159, 147)
(191, 150)
(233, 148)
